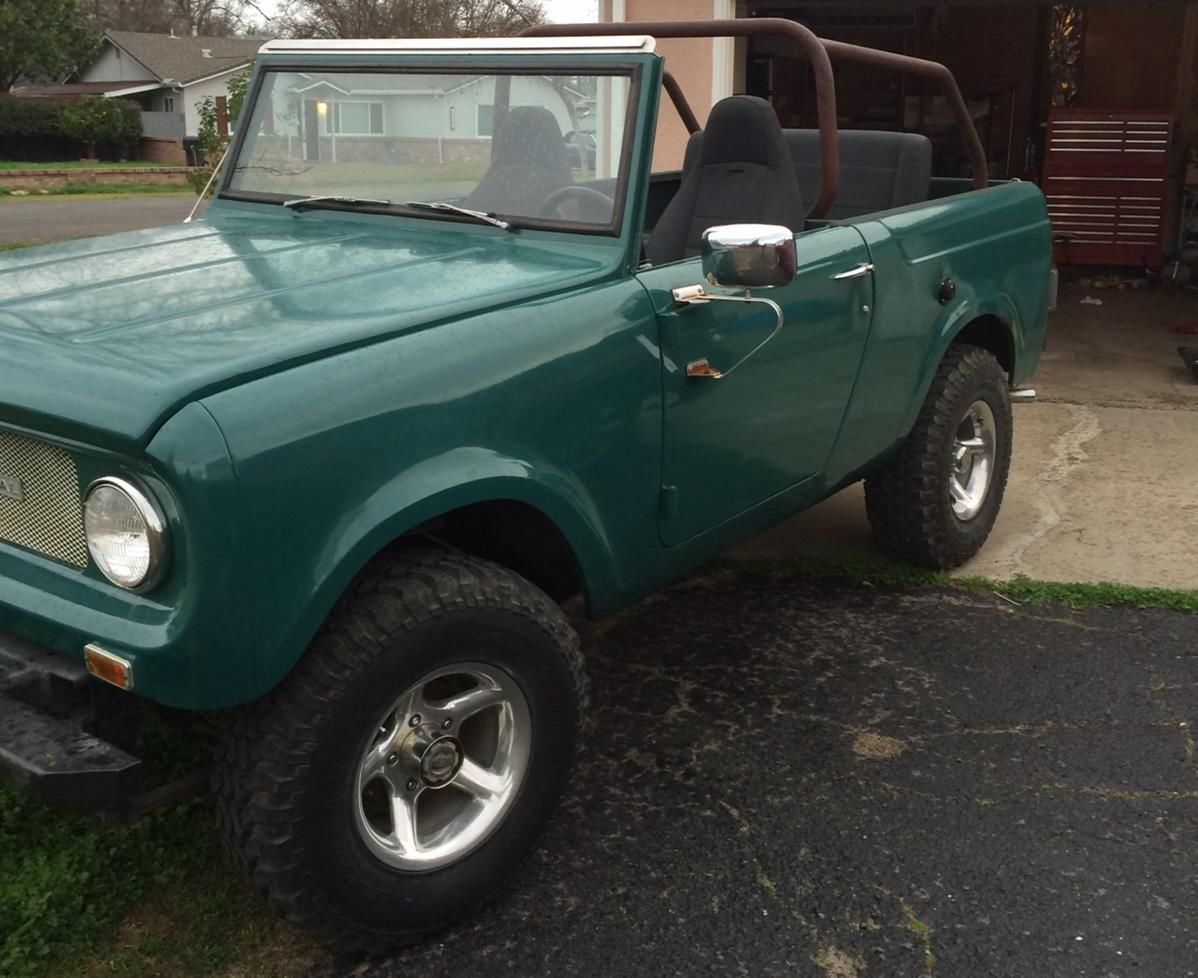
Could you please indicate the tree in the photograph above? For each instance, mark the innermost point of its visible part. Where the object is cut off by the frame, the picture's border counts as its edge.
(212, 143)
(409, 18)
(40, 38)
(210, 18)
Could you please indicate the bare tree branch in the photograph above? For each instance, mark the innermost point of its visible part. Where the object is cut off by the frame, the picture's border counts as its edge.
(408, 18)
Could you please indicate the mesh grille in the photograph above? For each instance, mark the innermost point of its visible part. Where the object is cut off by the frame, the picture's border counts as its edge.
(48, 516)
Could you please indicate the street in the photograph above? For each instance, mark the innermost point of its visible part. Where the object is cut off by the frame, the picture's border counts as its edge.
(26, 220)
(791, 777)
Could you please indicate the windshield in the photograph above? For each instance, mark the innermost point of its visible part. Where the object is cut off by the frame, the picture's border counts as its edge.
(533, 149)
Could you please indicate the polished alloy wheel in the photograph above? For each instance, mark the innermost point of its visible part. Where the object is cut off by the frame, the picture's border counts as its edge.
(444, 767)
(972, 471)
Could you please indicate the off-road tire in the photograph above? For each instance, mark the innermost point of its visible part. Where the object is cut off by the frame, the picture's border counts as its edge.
(286, 763)
(907, 499)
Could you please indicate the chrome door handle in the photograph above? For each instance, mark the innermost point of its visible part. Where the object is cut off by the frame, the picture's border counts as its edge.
(859, 272)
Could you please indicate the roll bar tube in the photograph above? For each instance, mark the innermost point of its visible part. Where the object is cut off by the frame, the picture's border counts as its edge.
(807, 42)
(820, 54)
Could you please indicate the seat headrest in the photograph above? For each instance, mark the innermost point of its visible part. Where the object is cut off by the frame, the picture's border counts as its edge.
(743, 129)
(529, 136)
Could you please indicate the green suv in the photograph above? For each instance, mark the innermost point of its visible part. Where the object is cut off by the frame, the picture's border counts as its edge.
(330, 459)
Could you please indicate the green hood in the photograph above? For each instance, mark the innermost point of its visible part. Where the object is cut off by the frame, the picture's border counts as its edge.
(105, 338)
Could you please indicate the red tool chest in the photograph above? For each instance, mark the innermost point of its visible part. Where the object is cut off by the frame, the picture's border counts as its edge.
(1106, 180)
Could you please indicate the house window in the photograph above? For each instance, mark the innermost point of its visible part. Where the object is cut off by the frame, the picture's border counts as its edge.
(356, 119)
(486, 121)
(168, 104)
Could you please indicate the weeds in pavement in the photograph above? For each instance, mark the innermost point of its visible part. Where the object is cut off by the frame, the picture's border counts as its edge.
(888, 573)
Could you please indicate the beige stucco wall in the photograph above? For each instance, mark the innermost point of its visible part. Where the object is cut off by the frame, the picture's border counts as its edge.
(692, 62)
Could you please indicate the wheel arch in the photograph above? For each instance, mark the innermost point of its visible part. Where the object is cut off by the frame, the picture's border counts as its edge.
(529, 518)
(992, 324)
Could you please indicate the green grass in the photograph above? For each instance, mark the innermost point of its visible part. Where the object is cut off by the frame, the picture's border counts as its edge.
(877, 571)
(14, 245)
(81, 899)
(73, 165)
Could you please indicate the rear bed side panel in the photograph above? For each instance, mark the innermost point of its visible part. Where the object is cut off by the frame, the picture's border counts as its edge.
(995, 246)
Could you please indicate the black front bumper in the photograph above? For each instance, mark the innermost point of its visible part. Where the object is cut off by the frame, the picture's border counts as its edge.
(49, 746)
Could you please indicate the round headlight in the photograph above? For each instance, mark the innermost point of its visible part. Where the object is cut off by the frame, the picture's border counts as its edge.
(125, 532)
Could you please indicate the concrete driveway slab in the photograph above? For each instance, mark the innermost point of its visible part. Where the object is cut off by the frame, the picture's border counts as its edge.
(792, 777)
(1096, 494)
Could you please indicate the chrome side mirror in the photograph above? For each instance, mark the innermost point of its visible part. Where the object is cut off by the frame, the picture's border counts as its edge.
(748, 256)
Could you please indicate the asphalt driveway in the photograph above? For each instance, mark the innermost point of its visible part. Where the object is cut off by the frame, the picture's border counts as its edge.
(30, 220)
(792, 777)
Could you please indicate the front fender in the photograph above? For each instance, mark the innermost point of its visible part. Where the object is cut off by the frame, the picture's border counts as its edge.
(431, 488)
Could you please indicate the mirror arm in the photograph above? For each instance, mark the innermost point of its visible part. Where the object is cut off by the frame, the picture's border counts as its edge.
(694, 295)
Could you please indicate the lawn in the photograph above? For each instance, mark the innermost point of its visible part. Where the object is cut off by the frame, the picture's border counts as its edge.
(73, 165)
(100, 190)
(81, 899)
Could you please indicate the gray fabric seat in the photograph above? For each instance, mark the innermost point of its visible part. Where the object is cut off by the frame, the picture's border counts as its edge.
(528, 163)
(878, 170)
(741, 174)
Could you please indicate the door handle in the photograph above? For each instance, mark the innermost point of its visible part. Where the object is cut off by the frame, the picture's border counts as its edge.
(859, 272)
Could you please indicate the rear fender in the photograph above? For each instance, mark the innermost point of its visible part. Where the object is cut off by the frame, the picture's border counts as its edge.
(951, 326)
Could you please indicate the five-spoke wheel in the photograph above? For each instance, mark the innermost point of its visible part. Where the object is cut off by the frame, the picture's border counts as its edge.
(973, 461)
(441, 771)
(408, 765)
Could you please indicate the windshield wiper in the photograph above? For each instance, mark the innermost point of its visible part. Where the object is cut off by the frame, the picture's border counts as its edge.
(436, 205)
(321, 198)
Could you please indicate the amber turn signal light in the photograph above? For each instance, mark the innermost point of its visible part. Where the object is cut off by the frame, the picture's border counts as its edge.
(111, 668)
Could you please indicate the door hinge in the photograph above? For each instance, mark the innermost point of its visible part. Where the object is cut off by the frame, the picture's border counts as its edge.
(668, 502)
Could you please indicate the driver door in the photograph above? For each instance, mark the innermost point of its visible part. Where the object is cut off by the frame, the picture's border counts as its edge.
(770, 424)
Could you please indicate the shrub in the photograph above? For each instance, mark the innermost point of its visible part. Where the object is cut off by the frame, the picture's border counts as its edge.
(45, 130)
(97, 122)
(31, 129)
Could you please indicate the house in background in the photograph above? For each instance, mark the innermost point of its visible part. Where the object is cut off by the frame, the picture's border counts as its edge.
(167, 75)
(406, 118)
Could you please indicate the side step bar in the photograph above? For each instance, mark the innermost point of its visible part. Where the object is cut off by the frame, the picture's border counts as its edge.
(55, 761)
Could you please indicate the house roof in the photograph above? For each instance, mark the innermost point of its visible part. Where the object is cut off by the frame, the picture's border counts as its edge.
(183, 59)
(113, 89)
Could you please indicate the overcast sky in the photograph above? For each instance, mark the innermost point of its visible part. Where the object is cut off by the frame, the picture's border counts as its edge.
(562, 11)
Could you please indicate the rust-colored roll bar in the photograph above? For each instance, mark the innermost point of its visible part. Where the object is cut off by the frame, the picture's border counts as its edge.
(678, 97)
(808, 43)
(820, 53)
(934, 70)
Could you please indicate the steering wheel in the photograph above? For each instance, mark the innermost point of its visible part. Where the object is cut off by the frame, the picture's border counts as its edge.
(587, 200)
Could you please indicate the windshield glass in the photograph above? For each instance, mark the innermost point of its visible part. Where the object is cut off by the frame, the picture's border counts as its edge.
(533, 148)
